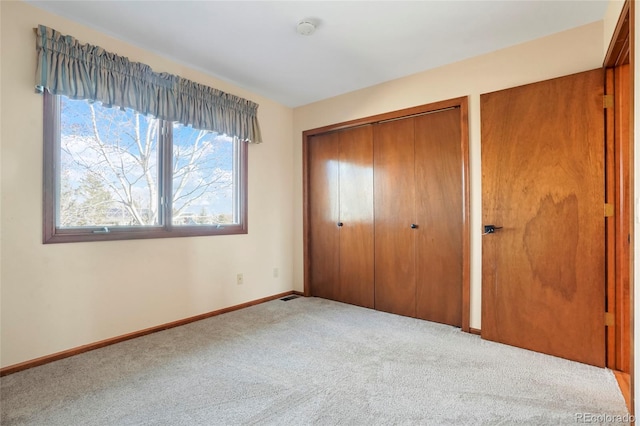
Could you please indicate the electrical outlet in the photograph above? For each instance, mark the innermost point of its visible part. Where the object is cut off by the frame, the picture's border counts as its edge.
(275, 272)
(239, 279)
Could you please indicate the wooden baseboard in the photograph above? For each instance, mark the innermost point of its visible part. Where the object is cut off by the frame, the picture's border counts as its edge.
(625, 387)
(475, 331)
(101, 344)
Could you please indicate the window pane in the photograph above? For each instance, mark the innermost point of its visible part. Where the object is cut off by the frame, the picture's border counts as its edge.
(204, 183)
(108, 173)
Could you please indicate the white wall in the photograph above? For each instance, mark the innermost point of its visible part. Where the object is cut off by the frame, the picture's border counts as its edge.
(610, 21)
(59, 296)
(564, 53)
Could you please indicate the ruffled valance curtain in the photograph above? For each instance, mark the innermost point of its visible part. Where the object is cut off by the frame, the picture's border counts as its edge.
(83, 71)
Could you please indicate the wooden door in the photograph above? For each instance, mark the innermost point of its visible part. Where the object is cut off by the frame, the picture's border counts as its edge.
(439, 214)
(356, 216)
(324, 255)
(543, 182)
(394, 183)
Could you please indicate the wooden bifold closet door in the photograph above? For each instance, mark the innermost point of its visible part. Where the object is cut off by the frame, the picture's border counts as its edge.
(395, 262)
(385, 215)
(341, 216)
(419, 216)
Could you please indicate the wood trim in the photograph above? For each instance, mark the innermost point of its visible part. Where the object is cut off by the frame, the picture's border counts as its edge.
(622, 201)
(111, 341)
(466, 220)
(621, 50)
(305, 215)
(450, 103)
(623, 380)
(632, 71)
(51, 157)
(243, 190)
(610, 222)
(462, 103)
(476, 331)
(619, 47)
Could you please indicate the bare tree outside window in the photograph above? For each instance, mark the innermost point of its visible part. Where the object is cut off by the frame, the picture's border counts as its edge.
(202, 177)
(110, 170)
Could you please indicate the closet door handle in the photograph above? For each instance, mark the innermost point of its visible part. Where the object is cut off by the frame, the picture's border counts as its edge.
(340, 223)
(414, 226)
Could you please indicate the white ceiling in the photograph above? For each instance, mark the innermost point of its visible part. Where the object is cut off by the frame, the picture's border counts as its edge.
(357, 44)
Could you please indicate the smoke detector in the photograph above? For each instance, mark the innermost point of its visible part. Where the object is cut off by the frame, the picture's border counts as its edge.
(306, 28)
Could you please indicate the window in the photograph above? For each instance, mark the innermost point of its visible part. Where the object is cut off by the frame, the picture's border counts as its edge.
(112, 174)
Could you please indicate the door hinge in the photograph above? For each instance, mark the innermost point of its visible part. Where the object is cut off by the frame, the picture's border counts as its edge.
(608, 210)
(609, 319)
(607, 101)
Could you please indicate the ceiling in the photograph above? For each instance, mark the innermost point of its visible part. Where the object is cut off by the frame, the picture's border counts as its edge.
(254, 44)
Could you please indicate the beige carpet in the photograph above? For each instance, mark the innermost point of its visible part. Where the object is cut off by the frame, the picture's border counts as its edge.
(309, 361)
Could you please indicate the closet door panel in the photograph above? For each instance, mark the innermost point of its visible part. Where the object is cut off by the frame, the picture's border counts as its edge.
(439, 212)
(324, 153)
(395, 289)
(356, 216)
